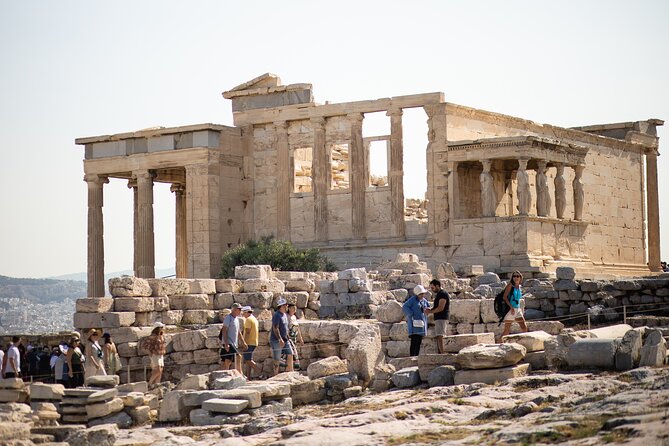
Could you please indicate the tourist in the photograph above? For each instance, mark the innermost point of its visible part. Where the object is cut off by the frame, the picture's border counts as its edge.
(93, 365)
(294, 334)
(232, 339)
(414, 309)
(111, 359)
(251, 339)
(512, 296)
(75, 363)
(155, 345)
(45, 365)
(440, 309)
(278, 337)
(11, 367)
(32, 361)
(665, 267)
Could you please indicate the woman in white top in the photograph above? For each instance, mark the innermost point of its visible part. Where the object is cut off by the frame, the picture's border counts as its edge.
(94, 363)
(294, 334)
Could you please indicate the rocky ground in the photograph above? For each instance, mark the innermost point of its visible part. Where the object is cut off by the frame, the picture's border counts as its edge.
(567, 408)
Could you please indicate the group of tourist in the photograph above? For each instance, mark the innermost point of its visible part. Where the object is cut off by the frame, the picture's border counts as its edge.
(417, 307)
(68, 363)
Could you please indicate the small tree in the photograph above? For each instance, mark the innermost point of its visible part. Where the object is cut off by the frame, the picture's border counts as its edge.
(281, 255)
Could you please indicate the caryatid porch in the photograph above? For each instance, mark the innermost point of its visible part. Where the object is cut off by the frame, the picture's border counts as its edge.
(503, 205)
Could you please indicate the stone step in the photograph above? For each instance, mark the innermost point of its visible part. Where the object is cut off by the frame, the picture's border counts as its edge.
(42, 438)
(455, 343)
(490, 376)
(220, 405)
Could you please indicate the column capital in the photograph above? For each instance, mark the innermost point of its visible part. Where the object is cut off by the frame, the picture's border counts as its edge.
(355, 117)
(132, 183)
(317, 121)
(578, 169)
(652, 151)
(178, 188)
(542, 164)
(144, 175)
(394, 111)
(522, 163)
(96, 179)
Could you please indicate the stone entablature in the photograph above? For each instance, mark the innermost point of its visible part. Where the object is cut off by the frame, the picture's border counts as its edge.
(300, 171)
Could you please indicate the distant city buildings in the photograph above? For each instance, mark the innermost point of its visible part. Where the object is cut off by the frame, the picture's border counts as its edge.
(22, 316)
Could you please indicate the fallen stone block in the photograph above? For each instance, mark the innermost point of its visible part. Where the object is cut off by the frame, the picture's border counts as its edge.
(308, 392)
(99, 410)
(220, 405)
(390, 312)
(486, 356)
(363, 352)
(533, 341)
(352, 273)
(611, 332)
(100, 395)
(428, 362)
(14, 395)
(455, 343)
(589, 353)
(140, 415)
(408, 377)
(132, 399)
(104, 381)
(120, 419)
(325, 367)
(443, 375)
(550, 327)
(49, 392)
(193, 382)
(172, 408)
(15, 433)
(272, 408)
(654, 349)
(12, 383)
(629, 351)
(537, 360)
(490, 376)
(103, 435)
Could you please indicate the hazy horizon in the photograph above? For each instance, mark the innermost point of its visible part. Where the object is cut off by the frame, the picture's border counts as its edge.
(77, 69)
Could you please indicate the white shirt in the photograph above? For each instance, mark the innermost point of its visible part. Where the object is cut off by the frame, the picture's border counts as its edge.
(13, 352)
(2, 355)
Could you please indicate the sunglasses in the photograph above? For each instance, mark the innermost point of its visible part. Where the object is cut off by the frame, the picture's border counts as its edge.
(515, 275)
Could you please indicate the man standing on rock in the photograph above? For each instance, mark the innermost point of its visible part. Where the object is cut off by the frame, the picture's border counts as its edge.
(12, 361)
(278, 337)
(414, 309)
(232, 338)
(251, 339)
(442, 303)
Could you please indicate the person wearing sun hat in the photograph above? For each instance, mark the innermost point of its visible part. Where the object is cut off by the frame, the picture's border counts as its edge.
(278, 337)
(93, 365)
(232, 339)
(414, 309)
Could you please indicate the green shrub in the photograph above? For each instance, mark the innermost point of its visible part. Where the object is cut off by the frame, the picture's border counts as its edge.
(281, 255)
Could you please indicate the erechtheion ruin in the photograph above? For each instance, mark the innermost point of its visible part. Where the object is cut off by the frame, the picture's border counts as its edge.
(502, 192)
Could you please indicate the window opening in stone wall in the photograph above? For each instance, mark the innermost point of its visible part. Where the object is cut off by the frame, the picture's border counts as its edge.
(339, 166)
(414, 129)
(302, 165)
(378, 163)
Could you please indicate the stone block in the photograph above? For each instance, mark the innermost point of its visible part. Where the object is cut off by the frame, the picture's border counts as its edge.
(455, 343)
(352, 273)
(103, 381)
(140, 386)
(485, 279)
(140, 415)
(550, 327)
(253, 272)
(311, 391)
(627, 285)
(98, 396)
(223, 301)
(471, 270)
(199, 317)
(488, 314)
(193, 382)
(654, 349)
(589, 353)
(202, 286)
(590, 286)
(14, 395)
(228, 286)
(49, 392)
(565, 285)
(103, 320)
(132, 399)
(565, 273)
(161, 303)
(407, 377)
(487, 356)
(465, 311)
(629, 352)
(537, 360)
(188, 341)
(168, 287)
(255, 300)
(94, 305)
(206, 356)
(490, 376)
(390, 312)
(99, 410)
(12, 383)
(135, 304)
(171, 317)
(264, 286)
(172, 408)
(325, 367)
(398, 349)
(443, 375)
(360, 285)
(364, 352)
(129, 334)
(191, 302)
(129, 286)
(301, 284)
(533, 341)
(182, 357)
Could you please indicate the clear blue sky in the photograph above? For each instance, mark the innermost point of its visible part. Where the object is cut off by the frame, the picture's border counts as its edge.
(79, 68)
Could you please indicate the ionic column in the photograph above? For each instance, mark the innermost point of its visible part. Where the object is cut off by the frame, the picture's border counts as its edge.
(284, 173)
(145, 253)
(488, 195)
(543, 197)
(132, 184)
(359, 180)
(396, 174)
(321, 179)
(523, 188)
(96, 244)
(579, 193)
(653, 211)
(181, 263)
(560, 191)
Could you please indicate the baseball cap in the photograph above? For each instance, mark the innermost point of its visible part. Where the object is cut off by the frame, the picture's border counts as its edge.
(247, 308)
(281, 301)
(236, 305)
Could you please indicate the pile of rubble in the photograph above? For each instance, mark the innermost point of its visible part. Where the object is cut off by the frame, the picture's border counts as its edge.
(415, 209)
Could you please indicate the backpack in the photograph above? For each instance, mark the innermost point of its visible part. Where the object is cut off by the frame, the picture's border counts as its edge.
(501, 307)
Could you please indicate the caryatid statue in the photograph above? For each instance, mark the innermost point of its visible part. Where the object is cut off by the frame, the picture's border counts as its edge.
(488, 196)
(579, 194)
(524, 194)
(543, 197)
(560, 192)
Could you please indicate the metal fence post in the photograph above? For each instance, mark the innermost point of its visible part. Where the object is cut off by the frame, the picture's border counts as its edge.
(588, 321)
(624, 314)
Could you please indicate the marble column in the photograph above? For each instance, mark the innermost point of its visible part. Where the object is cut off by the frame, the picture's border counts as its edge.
(359, 178)
(181, 236)
(320, 179)
(652, 200)
(560, 191)
(132, 184)
(96, 245)
(523, 188)
(579, 193)
(488, 195)
(396, 174)
(543, 196)
(145, 238)
(284, 174)
(438, 207)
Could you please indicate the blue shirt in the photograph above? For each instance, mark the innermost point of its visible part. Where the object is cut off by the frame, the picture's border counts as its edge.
(233, 330)
(281, 320)
(413, 309)
(514, 297)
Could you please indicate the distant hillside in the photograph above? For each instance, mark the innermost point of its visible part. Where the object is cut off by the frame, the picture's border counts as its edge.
(164, 272)
(41, 290)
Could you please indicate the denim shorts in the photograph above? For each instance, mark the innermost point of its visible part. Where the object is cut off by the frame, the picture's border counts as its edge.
(248, 354)
(277, 350)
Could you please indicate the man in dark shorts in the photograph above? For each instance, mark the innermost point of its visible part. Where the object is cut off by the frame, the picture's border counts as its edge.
(232, 339)
(440, 310)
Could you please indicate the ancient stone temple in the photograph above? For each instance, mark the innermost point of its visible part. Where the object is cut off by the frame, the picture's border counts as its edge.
(503, 192)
